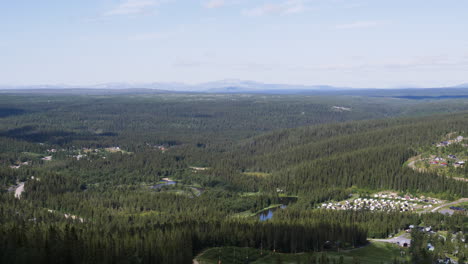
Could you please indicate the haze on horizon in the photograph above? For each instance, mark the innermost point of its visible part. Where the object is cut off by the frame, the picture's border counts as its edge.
(351, 43)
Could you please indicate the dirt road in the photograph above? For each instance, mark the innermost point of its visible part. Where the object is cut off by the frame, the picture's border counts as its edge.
(412, 165)
(19, 190)
(447, 204)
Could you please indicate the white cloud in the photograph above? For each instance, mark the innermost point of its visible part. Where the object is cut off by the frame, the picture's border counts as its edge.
(283, 8)
(134, 7)
(214, 3)
(358, 24)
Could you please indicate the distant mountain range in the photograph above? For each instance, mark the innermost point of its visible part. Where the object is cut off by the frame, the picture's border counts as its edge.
(228, 86)
(464, 85)
(223, 86)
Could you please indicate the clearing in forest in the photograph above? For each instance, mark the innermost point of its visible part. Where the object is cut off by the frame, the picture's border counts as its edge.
(375, 252)
(446, 158)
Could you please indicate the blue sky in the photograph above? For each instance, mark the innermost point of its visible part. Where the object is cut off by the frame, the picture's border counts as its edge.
(360, 43)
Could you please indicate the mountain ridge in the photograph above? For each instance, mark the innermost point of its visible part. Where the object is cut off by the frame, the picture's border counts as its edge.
(221, 86)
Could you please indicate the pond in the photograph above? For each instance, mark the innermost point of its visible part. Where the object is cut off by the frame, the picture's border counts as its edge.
(285, 201)
(265, 215)
(165, 183)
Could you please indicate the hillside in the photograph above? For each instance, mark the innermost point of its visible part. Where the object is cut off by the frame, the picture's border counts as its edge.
(162, 178)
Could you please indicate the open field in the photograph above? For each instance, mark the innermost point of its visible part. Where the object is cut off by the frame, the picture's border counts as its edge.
(375, 252)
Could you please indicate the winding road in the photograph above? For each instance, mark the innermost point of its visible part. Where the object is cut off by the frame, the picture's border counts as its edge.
(447, 204)
(412, 165)
(399, 240)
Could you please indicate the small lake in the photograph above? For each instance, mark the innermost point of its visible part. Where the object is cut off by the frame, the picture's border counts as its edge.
(266, 215)
(165, 183)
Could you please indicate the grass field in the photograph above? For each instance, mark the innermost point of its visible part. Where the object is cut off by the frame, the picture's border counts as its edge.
(257, 174)
(251, 214)
(376, 252)
(461, 205)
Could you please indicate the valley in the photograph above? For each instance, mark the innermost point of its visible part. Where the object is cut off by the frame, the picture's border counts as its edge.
(233, 132)
(299, 178)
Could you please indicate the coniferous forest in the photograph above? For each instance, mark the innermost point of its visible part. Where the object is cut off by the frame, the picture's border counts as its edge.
(163, 178)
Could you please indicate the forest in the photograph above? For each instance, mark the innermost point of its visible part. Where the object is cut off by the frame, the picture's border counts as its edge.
(164, 178)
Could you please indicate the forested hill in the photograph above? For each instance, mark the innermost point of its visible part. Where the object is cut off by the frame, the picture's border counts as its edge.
(115, 119)
(411, 131)
(368, 154)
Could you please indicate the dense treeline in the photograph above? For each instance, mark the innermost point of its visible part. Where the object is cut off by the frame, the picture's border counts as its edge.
(142, 239)
(369, 154)
(380, 224)
(132, 120)
(30, 232)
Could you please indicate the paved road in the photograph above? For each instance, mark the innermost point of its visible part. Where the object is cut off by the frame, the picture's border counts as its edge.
(447, 204)
(400, 240)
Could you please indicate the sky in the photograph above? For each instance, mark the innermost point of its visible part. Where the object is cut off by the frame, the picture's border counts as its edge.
(352, 43)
